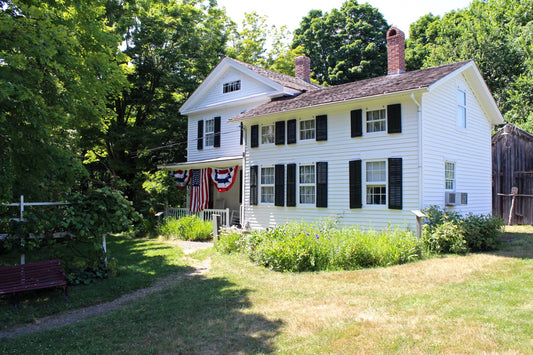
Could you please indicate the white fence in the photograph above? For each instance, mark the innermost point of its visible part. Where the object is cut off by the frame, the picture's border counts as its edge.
(206, 215)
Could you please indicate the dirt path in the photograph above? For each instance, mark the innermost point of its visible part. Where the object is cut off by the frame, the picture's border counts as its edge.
(84, 313)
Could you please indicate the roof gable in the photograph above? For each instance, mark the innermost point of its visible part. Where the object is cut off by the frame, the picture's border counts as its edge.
(379, 86)
(272, 84)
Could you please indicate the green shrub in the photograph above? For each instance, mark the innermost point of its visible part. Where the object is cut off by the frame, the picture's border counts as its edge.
(322, 246)
(227, 241)
(482, 231)
(186, 228)
(449, 232)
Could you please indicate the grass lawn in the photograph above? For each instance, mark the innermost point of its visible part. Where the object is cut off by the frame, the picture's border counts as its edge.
(480, 303)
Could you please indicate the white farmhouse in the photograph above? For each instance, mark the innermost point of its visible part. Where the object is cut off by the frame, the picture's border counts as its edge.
(367, 152)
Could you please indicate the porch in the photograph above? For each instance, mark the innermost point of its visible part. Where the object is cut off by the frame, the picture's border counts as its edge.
(228, 217)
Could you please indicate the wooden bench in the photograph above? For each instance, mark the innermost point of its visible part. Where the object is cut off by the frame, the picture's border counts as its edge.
(32, 276)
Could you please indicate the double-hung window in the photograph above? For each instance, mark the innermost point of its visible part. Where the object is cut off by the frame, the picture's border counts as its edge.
(307, 184)
(267, 134)
(449, 175)
(376, 183)
(307, 129)
(209, 133)
(376, 121)
(461, 109)
(267, 185)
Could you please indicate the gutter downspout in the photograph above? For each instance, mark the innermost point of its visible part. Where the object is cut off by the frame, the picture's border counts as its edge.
(420, 151)
(244, 144)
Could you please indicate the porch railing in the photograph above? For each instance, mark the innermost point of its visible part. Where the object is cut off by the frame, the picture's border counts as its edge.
(206, 215)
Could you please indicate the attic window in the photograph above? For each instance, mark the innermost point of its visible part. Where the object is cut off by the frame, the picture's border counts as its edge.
(231, 86)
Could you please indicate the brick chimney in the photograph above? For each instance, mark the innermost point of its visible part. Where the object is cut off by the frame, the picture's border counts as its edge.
(395, 51)
(302, 68)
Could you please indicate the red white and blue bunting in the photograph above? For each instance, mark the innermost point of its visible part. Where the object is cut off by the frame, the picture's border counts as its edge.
(181, 177)
(224, 178)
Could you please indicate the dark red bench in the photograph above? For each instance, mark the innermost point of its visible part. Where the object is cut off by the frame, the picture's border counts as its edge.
(32, 276)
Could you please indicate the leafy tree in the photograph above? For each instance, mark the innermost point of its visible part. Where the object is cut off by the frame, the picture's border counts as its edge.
(57, 68)
(344, 45)
(497, 35)
(171, 47)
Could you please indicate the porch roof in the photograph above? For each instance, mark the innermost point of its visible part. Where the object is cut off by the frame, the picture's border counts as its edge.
(223, 162)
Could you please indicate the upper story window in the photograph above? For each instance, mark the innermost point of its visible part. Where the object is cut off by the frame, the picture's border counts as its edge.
(376, 121)
(267, 134)
(209, 133)
(461, 109)
(231, 86)
(307, 184)
(267, 185)
(307, 129)
(449, 175)
(376, 183)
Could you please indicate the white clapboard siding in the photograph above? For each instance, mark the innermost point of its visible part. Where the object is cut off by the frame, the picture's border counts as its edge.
(469, 148)
(338, 150)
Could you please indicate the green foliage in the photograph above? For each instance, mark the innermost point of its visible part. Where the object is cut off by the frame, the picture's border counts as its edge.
(186, 228)
(57, 72)
(497, 35)
(449, 232)
(344, 45)
(306, 247)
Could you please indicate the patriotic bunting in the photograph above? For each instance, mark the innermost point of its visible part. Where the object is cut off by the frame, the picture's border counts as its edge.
(181, 177)
(199, 189)
(224, 178)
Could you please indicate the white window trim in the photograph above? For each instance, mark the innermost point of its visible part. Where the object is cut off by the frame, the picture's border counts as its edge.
(365, 184)
(365, 122)
(446, 162)
(260, 181)
(462, 125)
(233, 85)
(273, 134)
(299, 130)
(313, 184)
(209, 134)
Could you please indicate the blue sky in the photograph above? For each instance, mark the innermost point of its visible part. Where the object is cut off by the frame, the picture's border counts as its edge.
(289, 12)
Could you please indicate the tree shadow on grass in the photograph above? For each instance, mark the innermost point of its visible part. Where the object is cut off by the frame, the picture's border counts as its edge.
(196, 315)
(516, 244)
(139, 264)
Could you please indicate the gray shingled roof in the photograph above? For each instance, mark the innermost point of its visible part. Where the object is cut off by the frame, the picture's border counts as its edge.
(282, 79)
(359, 89)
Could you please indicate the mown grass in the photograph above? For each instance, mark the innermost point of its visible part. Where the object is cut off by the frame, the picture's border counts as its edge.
(139, 262)
(479, 303)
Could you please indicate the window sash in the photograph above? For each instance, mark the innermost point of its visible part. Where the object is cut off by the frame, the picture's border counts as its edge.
(307, 187)
(267, 185)
(307, 129)
(376, 121)
(376, 182)
(231, 86)
(267, 134)
(449, 175)
(209, 133)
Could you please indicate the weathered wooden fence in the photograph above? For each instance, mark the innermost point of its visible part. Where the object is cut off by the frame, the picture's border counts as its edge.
(512, 175)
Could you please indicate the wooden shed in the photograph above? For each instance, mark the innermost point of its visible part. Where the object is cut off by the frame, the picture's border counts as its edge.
(512, 175)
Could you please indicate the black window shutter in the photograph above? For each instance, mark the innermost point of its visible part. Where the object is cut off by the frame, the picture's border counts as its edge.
(322, 184)
(321, 128)
(200, 137)
(291, 185)
(253, 184)
(241, 138)
(217, 132)
(280, 132)
(395, 183)
(279, 185)
(240, 185)
(356, 117)
(394, 118)
(254, 139)
(356, 200)
(291, 131)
